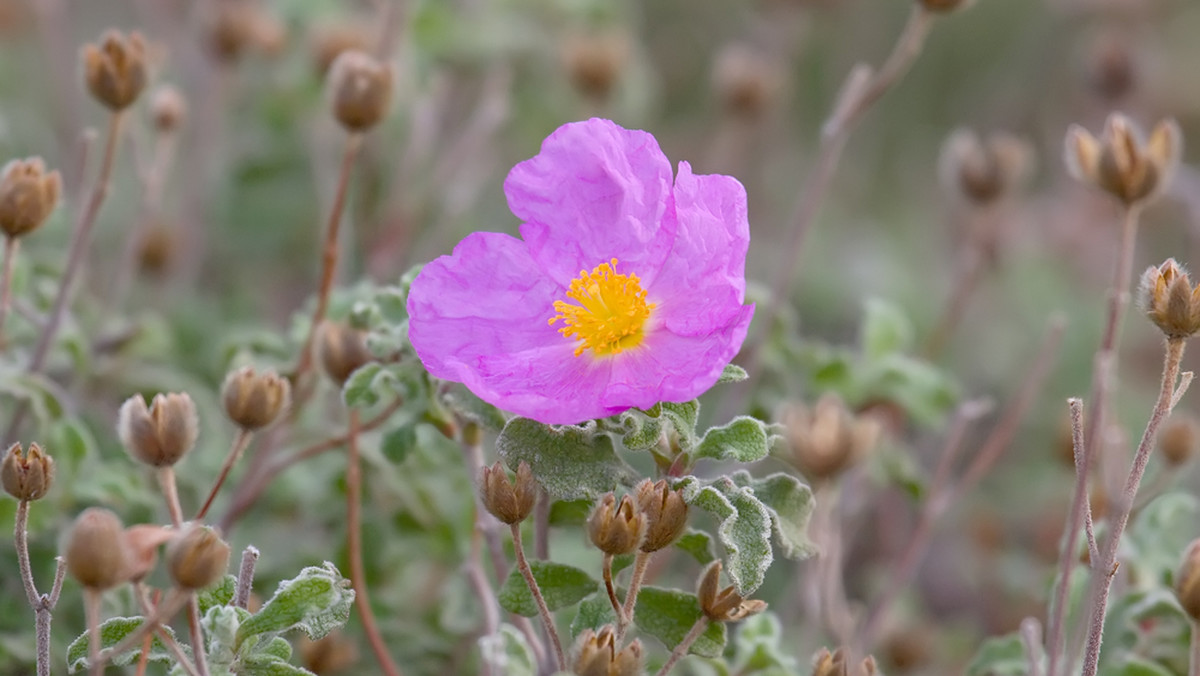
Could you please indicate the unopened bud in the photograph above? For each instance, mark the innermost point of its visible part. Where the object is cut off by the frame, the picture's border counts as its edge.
(746, 82)
(197, 557)
(161, 434)
(1187, 581)
(1112, 67)
(167, 109)
(665, 512)
(982, 171)
(597, 655)
(594, 63)
(342, 350)
(115, 71)
(252, 399)
(616, 528)
(724, 605)
(360, 90)
(827, 440)
(230, 29)
(1121, 163)
(28, 195)
(1170, 300)
(1178, 439)
(509, 501)
(26, 477)
(95, 550)
(156, 248)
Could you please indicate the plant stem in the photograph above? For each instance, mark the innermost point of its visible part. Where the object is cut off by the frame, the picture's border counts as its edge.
(11, 244)
(1031, 639)
(1105, 363)
(1066, 558)
(358, 574)
(199, 649)
(164, 612)
(91, 606)
(181, 657)
(166, 479)
(680, 650)
(547, 619)
(1105, 569)
(245, 579)
(1194, 653)
(235, 452)
(625, 617)
(329, 259)
(606, 570)
(39, 603)
(483, 589)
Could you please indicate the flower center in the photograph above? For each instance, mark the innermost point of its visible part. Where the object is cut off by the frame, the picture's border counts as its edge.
(611, 312)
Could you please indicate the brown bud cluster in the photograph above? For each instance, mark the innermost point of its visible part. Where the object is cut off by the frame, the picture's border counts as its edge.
(616, 528)
(167, 109)
(95, 550)
(161, 434)
(594, 63)
(746, 82)
(724, 605)
(828, 439)
(509, 501)
(597, 655)
(235, 27)
(1170, 300)
(360, 90)
(980, 170)
(28, 195)
(197, 557)
(1121, 163)
(254, 399)
(665, 513)
(837, 664)
(26, 476)
(115, 71)
(327, 41)
(1112, 66)
(1178, 439)
(342, 350)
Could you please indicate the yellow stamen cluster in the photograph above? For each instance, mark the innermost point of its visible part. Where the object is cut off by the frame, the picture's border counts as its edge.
(611, 313)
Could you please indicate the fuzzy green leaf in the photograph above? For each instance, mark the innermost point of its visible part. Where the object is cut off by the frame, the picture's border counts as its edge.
(398, 443)
(683, 418)
(112, 631)
(316, 601)
(569, 512)
(790, 504)
(472, 407)
(668, 615)
(639, 430)
(594, 612)
(745, 439)
(220, 594)
(745, 530)
(263, 664)
(561, 586)
(363, 387)
(508, 652)
(885, 329)
(733, 373)
(570, 461)
(1000, 656)
(758, 645)
(278, 647)
(698, 544)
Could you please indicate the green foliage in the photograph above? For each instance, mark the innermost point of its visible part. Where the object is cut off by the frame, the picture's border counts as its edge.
(1000, 656)
(316, 601)
(112, 632)
(508, 652)
(570, 461)
(733, 374)
(745, 439)
(698, 544)
(561, 585)
(594, 612)
(885, 329)
(757, 648)
(1159, 533)
(220, 594)
(668, 615)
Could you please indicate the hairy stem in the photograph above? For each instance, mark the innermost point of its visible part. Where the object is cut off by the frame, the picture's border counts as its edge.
(1031, 640)
(11, 244)
(21, 540)
(245, 578)
(199, 649)
(235, 452)
(483, 589)
(681, 649)
(547, 618)
(172, 645)
(606, 571)
(625, 617)
(166, 479)
(91, 608)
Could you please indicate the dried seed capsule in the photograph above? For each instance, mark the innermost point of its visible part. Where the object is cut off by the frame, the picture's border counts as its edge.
(830, 664)
(665, 512)
(167, 109)
(161, 434)
(746, 82)
(616, 528)
(328, 41)
(197, 557)
(509, 501)
(724, 605)
(254, 400)
(827, 440)
(597, 655)
(115, 71)
(28, 195)
(1178, 439)
(594, 63)
(360, 90)
(1187, 581)
(982, 171)
(1120, 162)
(95, 550)
(1170, 300)
(26, 477)
(342, 351)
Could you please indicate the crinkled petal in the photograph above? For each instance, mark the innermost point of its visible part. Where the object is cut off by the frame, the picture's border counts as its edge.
(702, 285)
(594, 192)
(671, 367)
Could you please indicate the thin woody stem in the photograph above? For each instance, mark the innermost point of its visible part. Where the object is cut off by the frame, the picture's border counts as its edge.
(11, 244)
(91, 605)
(245, 578)
(358, 573)
(235, 452)
(166, 479)
(143, 598)
(199, 649)
(1194, 652)
(606, 570)
(1105, 569)
(21, 541)
(635, 585)
(680, 650)
(547, 618)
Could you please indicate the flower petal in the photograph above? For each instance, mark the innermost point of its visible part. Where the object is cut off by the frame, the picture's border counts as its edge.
(596, 191)
(702, 285)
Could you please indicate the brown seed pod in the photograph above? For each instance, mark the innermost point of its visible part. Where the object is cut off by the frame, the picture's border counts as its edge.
(360, 90)
(594, 62)
(161, 434)
(1178, 439)
(1120, 162)
(254, 399)
(29, 476)
(665, 512)
(747, 83)
(509, 501)
(197, 557)
(328, 40)
(827, 440)
(95, 550)
(597, 655)
(724, 605)
(1170, 300)
(115, 71)
(616, 528)
(167, 109)
(1187, 581)
(983, 170)
(342, 350)
(28, 195)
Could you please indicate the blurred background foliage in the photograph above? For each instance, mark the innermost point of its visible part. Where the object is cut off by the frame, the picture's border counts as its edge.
(738, 88)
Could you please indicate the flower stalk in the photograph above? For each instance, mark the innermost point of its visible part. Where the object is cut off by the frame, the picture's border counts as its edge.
(680, 650)
(11, 244)
(543, 610)
(240, 442)
(640, 563)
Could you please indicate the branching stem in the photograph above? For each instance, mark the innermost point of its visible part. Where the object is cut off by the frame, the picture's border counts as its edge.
(235, 452)
(543, 610)
(680, 650)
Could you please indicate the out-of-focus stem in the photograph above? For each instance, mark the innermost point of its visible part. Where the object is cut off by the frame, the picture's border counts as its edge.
(245, 578)
(543, 610)
(681, 649)
(91, 606)
(166, 479)
(1194, 653)
(11, 244)
(199, 649)
(235, 451)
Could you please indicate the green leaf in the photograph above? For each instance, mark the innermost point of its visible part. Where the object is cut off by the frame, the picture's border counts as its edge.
(316, 601)
(683, 418)
(397, 444)
(561, 586)
(745, 439)
(923, 390)
(570, 512)
(277, 647)
(269, 665)
(472, 407)
(639, 430)
(220, 594)
(1132, 665)
(570, 461)
(758, 648)
(732, 373)
(112, 631)
(1000, 656)
(594, 612)
(71, 442)
(668, 615)
(1161, 530)
(790, 504)
(885, 329)
(745, 530)
(698, 544)
(362, 387)
(508, 652)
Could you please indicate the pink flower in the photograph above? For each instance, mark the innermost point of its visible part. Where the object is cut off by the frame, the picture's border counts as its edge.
(626, 289)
